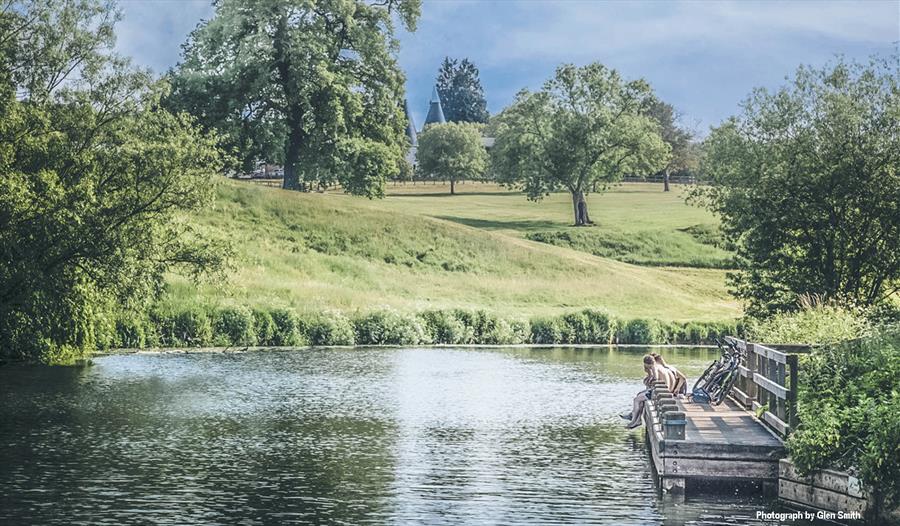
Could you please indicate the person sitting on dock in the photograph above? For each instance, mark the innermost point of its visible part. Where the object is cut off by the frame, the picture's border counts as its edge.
(655, 372)
(680, 386)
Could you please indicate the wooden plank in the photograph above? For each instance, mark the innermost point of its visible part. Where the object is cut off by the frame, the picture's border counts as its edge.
(770, 386)
(717, 468)
(832, 480)
(774, 421)
(743, 398)
(819, 498)
(792, 393)
(745, 372)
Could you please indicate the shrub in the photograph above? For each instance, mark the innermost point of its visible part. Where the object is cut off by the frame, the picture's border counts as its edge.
(642, 331)
(234, 326)
(265, 328)
(696, 333)
(131, 333)
(849, 411)
(815, 324)
(492, 330)
(328, 328)
(389, 328)
(444, 326)
(287, 331)
(546, 330)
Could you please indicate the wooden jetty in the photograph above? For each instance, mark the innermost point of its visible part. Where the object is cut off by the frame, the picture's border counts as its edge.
(694, 441)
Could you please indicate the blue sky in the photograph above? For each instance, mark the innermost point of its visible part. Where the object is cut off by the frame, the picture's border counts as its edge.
(703, 57)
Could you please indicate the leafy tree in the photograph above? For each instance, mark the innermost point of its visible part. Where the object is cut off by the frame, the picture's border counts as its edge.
(684, 154)
(93, 178)
(313, 85)
(806, 183)
(462, 97)
(452, 152)
(586, 128)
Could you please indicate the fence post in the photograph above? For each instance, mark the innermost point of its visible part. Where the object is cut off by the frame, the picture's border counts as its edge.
(792, 393)
(752, 367)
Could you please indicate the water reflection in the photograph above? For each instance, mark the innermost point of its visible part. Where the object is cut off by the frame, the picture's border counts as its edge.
(437, 436)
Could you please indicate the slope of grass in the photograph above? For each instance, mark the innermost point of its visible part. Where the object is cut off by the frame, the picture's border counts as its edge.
(635, 223)
(317, 252)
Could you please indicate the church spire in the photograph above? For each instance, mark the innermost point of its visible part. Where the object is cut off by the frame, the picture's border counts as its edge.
(435, 112)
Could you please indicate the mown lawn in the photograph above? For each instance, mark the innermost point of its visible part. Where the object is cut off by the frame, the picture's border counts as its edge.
(418, 249)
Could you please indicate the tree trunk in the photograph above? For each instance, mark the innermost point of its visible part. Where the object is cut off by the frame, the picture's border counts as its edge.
(452, 187)
(291, 156)
(579, 204)
(666, 180)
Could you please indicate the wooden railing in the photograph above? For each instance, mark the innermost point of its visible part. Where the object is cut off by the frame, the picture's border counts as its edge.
(768, 385)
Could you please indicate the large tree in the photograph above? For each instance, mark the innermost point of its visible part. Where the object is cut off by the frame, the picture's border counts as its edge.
(313, 84)
(451, 152)
(585, 129)
(680, 140)
(462, 97)
(806, 183)
(94, 177)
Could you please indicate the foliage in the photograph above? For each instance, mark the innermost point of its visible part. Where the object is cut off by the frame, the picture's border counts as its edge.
(265, 327)
(94, 178)
(586, 128)
(445, 326)
(451, 152)
(329, 328)
(817, 323)
(312, 85)
(849, 410)
(235, 326)
(685, 156)
(805, 181)
(386, 327)
(287, 328)
(643, 331)
(462, 97)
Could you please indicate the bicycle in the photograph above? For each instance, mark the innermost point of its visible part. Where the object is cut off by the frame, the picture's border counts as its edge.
(717, 380)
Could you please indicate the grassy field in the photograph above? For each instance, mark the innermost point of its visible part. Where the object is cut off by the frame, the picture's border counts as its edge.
(420, 248)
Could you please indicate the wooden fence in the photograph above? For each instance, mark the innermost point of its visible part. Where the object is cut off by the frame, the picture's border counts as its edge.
(768, 384)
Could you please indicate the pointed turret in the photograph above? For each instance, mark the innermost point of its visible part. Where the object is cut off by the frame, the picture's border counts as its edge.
(435, 112)
(410, 124)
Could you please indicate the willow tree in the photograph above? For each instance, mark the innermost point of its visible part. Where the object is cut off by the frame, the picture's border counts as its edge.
(312, 84)
(94, 180)
(585, 129)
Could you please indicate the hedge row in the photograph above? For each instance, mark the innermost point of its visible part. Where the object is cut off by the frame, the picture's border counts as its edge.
(240, 326)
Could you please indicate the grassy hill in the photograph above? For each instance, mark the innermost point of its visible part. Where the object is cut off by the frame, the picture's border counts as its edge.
(420, 249)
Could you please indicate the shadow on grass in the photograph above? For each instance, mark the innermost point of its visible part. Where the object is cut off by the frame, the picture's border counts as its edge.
(490, 224)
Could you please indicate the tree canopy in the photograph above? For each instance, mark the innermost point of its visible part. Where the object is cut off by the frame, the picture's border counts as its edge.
(452, 152)
(312, 85)
(805, 181)
(462, 97)
(680, 140)
(93, 178)
(586, 128)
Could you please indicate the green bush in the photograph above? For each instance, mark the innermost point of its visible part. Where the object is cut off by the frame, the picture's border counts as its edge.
(642, 331)
(815, 324)
(265, 328)
(389, 328)
(287, 329)
(234, 326)
(849, 411)
(546, 330)
(328, 328)
(131, 332)
(446, 326)
(490, 329)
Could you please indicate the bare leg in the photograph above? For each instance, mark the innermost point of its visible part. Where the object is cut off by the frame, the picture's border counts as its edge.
(638, 409)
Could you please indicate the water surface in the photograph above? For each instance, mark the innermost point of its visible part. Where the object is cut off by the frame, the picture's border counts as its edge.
(352, 436)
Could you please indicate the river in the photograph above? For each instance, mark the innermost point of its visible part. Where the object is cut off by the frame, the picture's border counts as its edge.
(352, 436)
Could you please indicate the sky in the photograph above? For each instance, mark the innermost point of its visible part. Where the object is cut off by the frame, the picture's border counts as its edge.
(703, 57)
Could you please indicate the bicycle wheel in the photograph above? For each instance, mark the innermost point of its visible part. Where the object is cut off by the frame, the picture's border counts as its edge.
(707, 375)
(725, 387)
